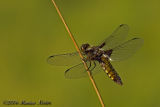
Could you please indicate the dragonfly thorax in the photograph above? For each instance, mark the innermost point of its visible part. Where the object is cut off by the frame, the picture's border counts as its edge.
(92, 53)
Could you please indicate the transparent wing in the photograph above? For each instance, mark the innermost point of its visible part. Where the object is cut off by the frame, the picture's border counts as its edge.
(79, 71)
(64, 59)
(126, 49)
(116, 38)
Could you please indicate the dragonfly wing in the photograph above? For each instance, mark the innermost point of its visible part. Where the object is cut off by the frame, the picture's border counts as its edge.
(116, 38)
(64, 59)
(126, 49)
(79, 71)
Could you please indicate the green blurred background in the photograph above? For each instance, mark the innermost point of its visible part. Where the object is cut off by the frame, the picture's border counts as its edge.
(31, 30)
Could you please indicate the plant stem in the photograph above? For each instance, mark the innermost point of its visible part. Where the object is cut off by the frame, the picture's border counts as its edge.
(77, 48)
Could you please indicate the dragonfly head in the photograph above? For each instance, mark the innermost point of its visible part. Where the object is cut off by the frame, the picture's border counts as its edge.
(84, 47)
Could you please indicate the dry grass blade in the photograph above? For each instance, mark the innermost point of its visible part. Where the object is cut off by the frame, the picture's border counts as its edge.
(77, 48)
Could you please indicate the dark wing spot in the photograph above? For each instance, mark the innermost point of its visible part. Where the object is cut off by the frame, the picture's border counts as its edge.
(109, 52)
(101, 46)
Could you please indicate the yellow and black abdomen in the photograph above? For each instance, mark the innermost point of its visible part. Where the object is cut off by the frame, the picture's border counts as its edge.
(108, 68)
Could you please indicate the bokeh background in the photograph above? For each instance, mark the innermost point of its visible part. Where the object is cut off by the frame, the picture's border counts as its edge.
(31, 30)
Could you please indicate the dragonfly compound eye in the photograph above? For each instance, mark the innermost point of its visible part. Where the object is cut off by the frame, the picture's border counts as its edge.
(84, 47)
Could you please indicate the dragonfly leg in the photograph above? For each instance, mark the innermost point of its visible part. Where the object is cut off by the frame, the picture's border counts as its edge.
(89, 65)
(84, 59)
(94, 65)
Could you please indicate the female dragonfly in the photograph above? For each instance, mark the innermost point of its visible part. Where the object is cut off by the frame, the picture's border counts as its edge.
(111, 49)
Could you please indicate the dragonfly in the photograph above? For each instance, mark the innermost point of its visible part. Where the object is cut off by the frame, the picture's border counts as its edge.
(98, 58)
